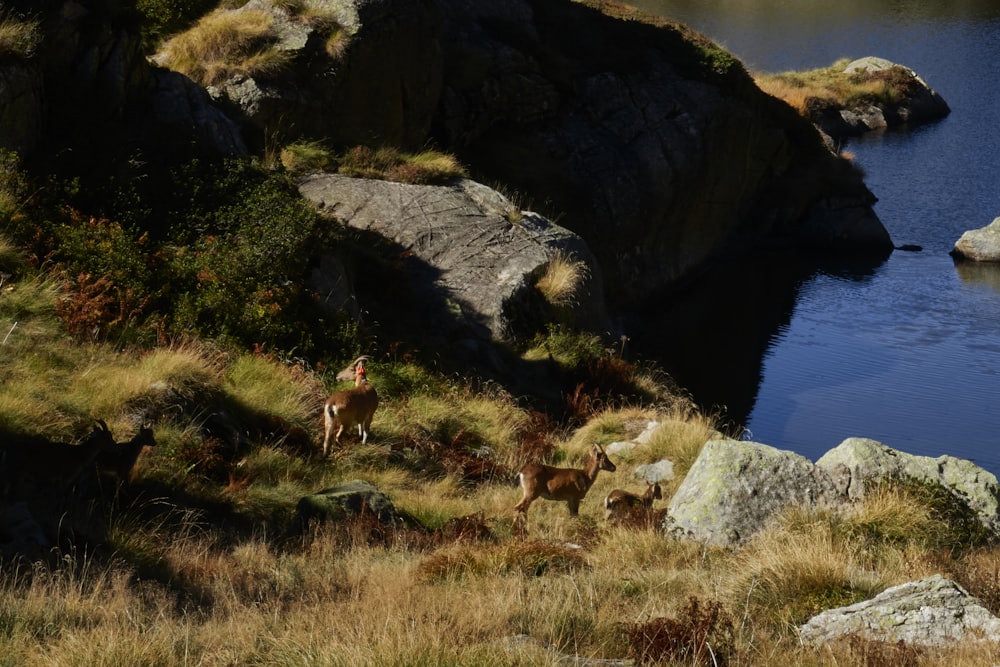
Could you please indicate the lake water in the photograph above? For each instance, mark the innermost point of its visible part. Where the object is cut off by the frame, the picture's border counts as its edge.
(906, 351)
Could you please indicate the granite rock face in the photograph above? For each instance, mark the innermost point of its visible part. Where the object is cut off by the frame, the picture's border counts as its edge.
(471, 258)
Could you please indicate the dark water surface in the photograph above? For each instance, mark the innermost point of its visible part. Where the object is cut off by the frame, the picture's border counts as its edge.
(906, 351)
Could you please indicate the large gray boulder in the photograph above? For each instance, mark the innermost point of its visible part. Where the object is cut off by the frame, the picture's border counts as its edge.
(931, 612)
(980, 245)
(735, 487)
(473, 256)
(857, 463)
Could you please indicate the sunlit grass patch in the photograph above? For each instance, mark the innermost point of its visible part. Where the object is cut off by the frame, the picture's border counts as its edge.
(799, 567)
(831, 87)
(391, 164)
(561, 279)
(19, 38)
(225, 43)
(305, 157)
(284, 390)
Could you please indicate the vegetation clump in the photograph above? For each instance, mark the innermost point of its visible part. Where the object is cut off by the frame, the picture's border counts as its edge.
(813, 91)
(391, 164)
(225, 43)
(19, 37)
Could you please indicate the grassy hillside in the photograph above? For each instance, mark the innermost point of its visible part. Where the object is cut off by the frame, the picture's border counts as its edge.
(181, 307)
(198, 560)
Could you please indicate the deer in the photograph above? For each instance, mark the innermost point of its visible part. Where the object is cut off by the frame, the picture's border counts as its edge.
(620, 501)
(561, 484)
(122, 459)
(54, 466)
(350, 407)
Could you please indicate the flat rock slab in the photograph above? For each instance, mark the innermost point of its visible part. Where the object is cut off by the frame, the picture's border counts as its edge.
(930, 612)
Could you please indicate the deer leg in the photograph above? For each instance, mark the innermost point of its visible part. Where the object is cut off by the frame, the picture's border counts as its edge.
(574, 506)
(327, 430)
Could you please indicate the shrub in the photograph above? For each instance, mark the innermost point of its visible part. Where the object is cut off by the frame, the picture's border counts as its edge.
(15, 192)
(244, 278)
(701, 635)
(167, 17)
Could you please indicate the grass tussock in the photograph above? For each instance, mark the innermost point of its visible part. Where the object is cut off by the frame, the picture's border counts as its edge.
(562, 279)
(391, 164)
(225, 43)
(830, 87)
(306, 157)
(19, 38)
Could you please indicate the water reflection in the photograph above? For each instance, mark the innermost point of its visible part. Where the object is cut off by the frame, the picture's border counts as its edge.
(979, 273)
(713, 337)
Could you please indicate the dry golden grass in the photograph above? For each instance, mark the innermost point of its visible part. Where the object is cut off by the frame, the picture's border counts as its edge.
(19, 38)
(562, 278)
(831, 87)
(225, 43)
(391, 164)
(203, 568)
(290, 392)
(306, 157)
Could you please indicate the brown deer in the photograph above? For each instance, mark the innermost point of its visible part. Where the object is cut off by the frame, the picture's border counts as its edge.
(562, 484)
(619, 502)
(30, 467)
(350, 407)
(122, 459)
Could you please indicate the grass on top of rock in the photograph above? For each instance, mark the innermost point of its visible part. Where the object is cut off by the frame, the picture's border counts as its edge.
(561, 279)
(387, 163)
(225, 43)
(833, 88)
(19, 37)
(392, 164)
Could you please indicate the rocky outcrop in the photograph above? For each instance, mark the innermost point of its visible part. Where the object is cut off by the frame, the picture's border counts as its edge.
(931, 612)
(979, 245)
(660, 150)
(920, 103)
(88, 92)
(735, 488)
(858, 462)
(633, 146)
(472, 259)
(21, 102)
(380, 86)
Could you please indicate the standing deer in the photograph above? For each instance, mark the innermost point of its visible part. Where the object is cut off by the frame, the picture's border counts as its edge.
(563, 484)
(618, 502)
(122, 459)
(350, 407)
(54, 467)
